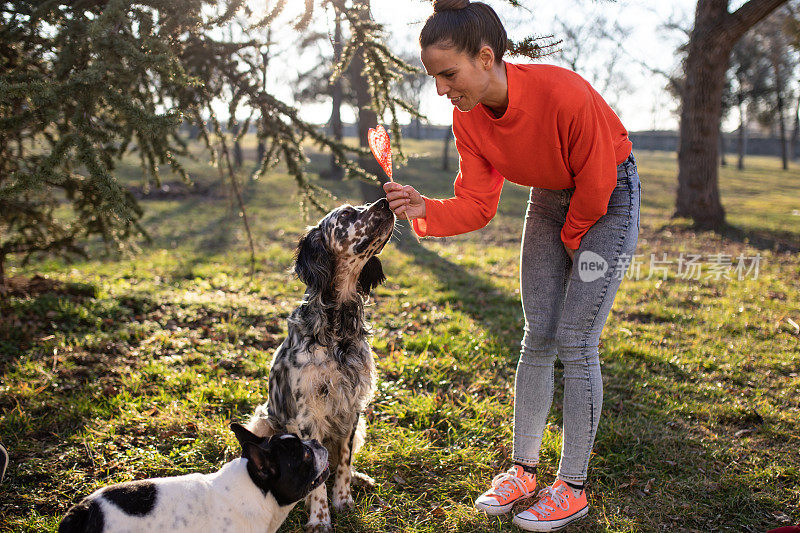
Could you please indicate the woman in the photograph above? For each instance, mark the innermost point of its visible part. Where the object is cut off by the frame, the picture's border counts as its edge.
(545, 127)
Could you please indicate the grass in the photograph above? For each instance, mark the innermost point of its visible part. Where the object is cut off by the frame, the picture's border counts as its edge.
(134, 367)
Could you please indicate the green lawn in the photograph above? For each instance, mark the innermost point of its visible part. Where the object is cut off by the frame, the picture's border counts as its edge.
(134, 368)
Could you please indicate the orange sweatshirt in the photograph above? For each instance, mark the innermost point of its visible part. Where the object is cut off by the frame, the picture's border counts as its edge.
(556, 133)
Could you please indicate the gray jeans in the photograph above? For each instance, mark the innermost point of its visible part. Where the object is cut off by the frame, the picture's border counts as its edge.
(566, 305)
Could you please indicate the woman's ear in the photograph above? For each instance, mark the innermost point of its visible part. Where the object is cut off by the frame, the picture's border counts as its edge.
(313, 262)
(371, 276)
(486, 57)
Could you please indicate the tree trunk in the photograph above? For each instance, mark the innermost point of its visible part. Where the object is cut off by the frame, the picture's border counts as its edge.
(742, 136)
(238, 158)
(367, 118)
(337, 95)
(701, 111)
(781, 120)
(714, 34)
(261, 149)
(784, 139)
(722, 161)
(793, 151)
(446, 152)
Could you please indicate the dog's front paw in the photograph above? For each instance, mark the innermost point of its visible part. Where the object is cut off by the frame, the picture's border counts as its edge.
(319, 517)
(343, 502)
(318, 527)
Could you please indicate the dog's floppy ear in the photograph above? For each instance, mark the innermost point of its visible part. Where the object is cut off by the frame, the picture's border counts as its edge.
(313, 263)
(245, 435)
(260, 459)
(371, 276)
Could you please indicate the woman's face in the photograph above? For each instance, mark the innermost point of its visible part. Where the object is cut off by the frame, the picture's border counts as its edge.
(463, 79)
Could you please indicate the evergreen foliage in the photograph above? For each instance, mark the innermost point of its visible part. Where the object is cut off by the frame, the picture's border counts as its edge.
(84, 82)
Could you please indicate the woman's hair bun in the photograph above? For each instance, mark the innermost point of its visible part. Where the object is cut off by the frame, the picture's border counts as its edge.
(466, 26)
(449, 5)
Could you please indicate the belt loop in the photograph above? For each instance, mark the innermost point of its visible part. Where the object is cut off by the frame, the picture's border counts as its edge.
(630, 166)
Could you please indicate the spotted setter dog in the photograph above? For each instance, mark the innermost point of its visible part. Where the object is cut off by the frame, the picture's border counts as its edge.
(323, 374)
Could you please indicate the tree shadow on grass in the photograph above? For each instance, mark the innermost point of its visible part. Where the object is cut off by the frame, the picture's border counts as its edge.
(761, 239)
(74, 356)
(32, 309)
(497, 310)
(657, 462)
(647, 457)
(781, 242)
(192, 222)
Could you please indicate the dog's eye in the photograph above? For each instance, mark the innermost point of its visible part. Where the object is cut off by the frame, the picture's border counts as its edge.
(306, 455)
(347, 214)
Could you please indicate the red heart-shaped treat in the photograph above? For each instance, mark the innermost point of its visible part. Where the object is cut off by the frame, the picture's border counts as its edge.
(381, 148)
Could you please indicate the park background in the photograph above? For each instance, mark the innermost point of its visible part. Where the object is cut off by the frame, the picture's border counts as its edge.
(131, 362)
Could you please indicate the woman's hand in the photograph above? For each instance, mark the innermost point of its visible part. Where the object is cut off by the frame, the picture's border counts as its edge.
(404, 200)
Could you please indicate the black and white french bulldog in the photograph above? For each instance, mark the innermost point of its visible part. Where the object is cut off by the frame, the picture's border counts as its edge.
(253, 493)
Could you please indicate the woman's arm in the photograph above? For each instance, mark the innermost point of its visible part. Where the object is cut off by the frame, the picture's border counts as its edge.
(592, 161)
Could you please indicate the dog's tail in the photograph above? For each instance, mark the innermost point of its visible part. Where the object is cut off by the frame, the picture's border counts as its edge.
(260, 423)
(360, 478)
(360, 435)
(85, 517)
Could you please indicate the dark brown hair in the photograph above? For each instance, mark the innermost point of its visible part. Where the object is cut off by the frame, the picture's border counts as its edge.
(466, 26)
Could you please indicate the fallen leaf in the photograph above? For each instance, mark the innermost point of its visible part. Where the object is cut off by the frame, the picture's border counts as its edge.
(439, 512)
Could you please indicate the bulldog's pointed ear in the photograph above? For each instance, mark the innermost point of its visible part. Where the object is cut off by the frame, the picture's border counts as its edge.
(260, 459)
(371, 276)
(245, 435)
(313, 262)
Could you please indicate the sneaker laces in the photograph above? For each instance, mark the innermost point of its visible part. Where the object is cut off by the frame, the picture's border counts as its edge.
(547, 496)
(503, 484)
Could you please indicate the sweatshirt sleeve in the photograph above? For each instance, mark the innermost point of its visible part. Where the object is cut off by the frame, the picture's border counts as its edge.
(476, 191)
(593, 163)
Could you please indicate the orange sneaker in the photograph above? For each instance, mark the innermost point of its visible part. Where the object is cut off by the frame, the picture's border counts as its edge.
(506, 489)
(557, 507)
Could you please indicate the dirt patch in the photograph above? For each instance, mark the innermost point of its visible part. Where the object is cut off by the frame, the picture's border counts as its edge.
(21, 286)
